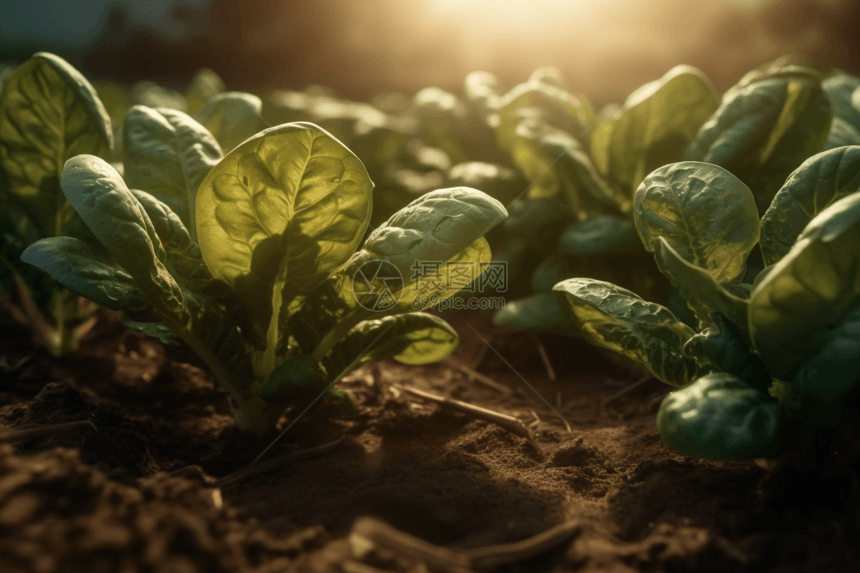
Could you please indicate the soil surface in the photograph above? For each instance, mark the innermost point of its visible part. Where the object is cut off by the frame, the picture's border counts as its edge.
(99, 499)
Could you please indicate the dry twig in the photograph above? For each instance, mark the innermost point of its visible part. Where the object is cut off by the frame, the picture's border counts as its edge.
(368, 532)
(550, 371)
(508, 422)
(478, 377)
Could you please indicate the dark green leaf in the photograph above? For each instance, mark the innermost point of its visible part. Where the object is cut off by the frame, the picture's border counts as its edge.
(232, 117)
(167, 154)
(819, 182)
(703, 212)
(600, 236)
(619, 320)
(720, 417)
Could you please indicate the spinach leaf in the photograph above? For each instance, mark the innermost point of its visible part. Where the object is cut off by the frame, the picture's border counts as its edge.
(619, 320)
(720, 417)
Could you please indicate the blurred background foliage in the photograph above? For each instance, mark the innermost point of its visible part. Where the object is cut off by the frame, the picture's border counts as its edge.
(363, 48)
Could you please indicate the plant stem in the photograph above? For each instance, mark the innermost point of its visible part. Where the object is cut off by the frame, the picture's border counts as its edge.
(253, 414)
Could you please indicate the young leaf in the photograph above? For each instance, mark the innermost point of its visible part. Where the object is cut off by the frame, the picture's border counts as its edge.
(657, 122)
(48, 114)
(150, 94)
(415, 338)
(232, 117)
(720, 417)
(819, 182)
(703, 212)
(167, 154)
(808, 291)
(119, 221)
(619, 320)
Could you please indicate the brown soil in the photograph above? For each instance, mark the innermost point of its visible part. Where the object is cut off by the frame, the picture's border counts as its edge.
(99, 500)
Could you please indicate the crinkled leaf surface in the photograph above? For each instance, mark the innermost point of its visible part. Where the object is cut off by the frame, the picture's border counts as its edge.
(619, 320)
(232, 117)
(278, 215)
(723, 345)
(807, 292)
(763, 132)
(720, 417)
(48, 114)
(121, 224)
(819, 182)
(87, 269)
(435, 227)
(168, 154)
(703, 212)
(657, 122)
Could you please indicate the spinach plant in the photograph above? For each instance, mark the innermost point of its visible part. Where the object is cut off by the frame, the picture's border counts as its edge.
(596, 179)
(774, 356)
(250, 259)
(48, 114)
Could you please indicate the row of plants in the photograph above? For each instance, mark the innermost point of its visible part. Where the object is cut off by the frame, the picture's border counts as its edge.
(235, 224)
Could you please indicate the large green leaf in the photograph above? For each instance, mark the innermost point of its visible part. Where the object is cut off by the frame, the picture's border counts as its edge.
(720, 417)
(87, 269)
(819, 182)
(167, 154)
(415, 338)
(835, 368)
(277, 216)
(703, 212)
(48, 114)
(619, 320)
(435, 227)
(232, 117)
(657, 122)
(121, 224)
(808, 291)
(763, 132)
